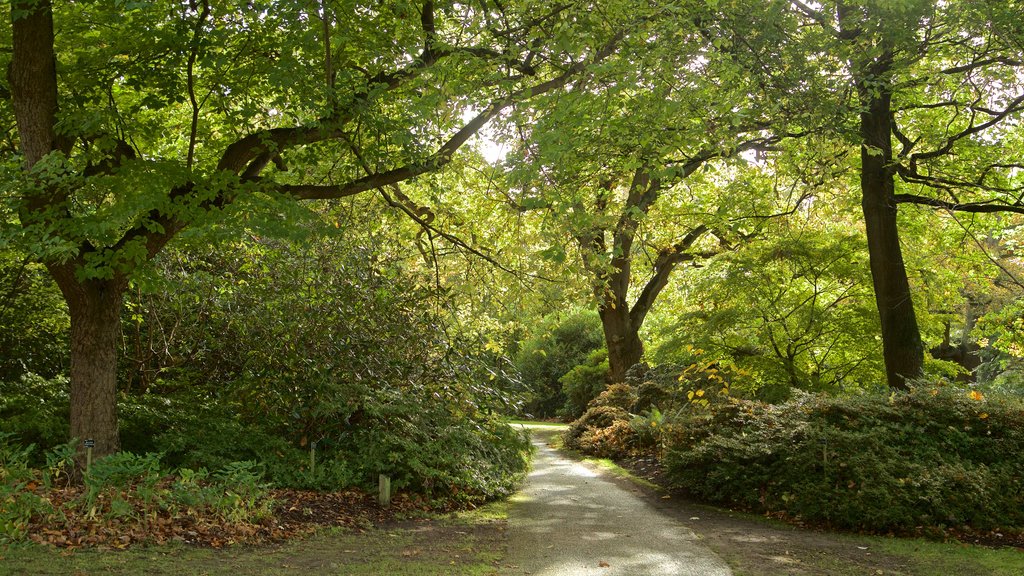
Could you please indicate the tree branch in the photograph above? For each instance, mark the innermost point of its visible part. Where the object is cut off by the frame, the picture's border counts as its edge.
(442, 156)
(190, 82)
(981, 64)
(666, 262)
(1015, 105)
(987, 207)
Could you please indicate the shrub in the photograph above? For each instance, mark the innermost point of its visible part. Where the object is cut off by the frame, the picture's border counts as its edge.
(559, 344)
(243, 494)
(657, 387)
(613, 441)
(933, 457)
(583, 383)
(649, 428)
(111, 479)
(616, 395)
(345, 375)
(36, 411)
(602, 431)
(18, 500)
(441, 454)
(34, 321)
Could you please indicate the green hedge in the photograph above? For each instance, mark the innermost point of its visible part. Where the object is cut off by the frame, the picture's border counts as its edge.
(932, 458)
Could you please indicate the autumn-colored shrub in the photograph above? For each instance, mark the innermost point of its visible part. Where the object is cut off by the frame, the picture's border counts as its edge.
(602, 431)
(932, 458)
(670, 387)
(612, 441)
(617, 396)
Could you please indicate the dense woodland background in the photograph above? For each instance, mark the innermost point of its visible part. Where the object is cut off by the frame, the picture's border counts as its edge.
(768, 242)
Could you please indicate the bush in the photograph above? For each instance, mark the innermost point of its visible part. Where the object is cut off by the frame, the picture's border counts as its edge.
(559, 345)
(34, 321)
(583, 383)
(35, 410)
(18, 500)
(649, 428)
(617, 395)
(602, 431)
(934, 457)
(200, 386)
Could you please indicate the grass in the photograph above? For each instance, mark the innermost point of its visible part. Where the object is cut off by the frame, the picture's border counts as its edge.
(614, 469)
(538, 424)
(926, 558)
(470, 544)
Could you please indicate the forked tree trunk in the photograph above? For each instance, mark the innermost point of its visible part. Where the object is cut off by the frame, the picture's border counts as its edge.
(902, 348)
(95, 309)
(623, 340)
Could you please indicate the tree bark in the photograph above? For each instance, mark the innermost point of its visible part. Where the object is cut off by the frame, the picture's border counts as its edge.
(95, 310)
(33, 77)
(94, 305)
(622, 338)
(902, 348)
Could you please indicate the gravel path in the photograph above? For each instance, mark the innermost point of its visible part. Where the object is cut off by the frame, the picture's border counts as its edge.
(569, 521)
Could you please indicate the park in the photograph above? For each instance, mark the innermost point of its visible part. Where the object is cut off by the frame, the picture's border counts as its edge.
(512, 287)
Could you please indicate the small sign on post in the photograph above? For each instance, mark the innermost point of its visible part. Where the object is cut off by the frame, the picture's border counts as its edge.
(312, 458)
(89, 445)
(384, 484)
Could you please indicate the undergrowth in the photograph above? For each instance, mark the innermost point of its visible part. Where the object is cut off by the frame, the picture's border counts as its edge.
(933, 458)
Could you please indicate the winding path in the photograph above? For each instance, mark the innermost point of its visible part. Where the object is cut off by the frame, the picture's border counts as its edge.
(570, 521)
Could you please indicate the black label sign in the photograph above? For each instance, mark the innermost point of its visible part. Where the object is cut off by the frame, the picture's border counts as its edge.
(90, 443)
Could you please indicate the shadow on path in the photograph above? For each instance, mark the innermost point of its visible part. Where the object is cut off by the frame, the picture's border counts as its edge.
(570, 521)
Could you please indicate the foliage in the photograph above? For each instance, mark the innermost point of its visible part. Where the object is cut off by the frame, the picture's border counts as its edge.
(558, 344)
(33, 320)
(649, 428)
(122, 486)
(790, 310)
(602, 431)
(619, 395)
(934, 457)
(307, 341)
(1003, 348)
(35, 410)
(343, 396)
(626, 418)
(584, 383)
(18, 500)
(137, 486)
(437, 453)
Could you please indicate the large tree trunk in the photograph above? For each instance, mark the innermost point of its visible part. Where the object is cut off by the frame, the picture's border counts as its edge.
(623, 340)
(902, 348)
(95, 309)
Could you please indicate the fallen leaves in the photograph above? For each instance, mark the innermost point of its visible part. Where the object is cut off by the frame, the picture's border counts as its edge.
(296, 512)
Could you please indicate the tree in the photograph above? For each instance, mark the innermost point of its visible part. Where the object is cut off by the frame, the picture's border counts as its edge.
(128, 124)
(936, 86)
(660, 128)
(793, 308)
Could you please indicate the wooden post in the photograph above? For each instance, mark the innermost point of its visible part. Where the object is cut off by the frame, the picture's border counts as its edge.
(312, 458)
(384, 485)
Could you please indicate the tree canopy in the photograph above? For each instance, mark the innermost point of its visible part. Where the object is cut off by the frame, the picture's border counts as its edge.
(819, 195)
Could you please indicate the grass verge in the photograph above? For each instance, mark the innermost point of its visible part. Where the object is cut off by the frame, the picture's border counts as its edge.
(539, 424)
(469, 543)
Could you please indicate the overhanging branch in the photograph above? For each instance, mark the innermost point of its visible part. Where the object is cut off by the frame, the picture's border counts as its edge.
(987, 207)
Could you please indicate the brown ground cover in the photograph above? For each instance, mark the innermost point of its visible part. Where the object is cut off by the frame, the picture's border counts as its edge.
(295, 512)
